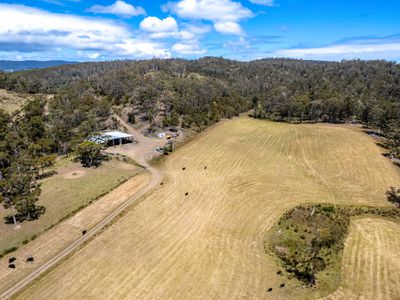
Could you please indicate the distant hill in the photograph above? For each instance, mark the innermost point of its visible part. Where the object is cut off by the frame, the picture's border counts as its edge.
(12, 65)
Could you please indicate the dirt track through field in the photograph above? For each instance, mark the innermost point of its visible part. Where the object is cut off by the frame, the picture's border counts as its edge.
(210, 243)
(50, 257)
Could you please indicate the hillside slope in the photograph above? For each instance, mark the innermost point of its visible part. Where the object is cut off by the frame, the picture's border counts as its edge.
(240, 177)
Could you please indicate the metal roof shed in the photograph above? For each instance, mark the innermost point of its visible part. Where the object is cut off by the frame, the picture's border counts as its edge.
(112, 137)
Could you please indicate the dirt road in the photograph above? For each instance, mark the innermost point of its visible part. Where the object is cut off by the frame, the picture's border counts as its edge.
(143, 150)
(139, 154)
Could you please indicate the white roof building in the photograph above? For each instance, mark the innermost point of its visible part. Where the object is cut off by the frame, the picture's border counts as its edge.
(114, 135)
(111, 136)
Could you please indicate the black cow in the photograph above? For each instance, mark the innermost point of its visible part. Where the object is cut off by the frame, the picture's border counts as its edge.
(30, 259)
(205, 167)
(84, 232)
(269, 290)
(187, 193)
(11, 266)
(282, 285)
(11, 260)
(279, 272)
(184, 168)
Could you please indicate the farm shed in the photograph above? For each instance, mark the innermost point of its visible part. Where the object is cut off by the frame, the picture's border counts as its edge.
(112, 138)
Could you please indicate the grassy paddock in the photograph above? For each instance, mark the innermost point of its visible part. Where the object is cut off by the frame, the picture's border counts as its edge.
(371, 261)
(72, 188)
(241, 176)
(309, 241)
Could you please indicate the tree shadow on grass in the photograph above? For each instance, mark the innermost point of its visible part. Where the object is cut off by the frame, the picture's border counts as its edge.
(33, 215)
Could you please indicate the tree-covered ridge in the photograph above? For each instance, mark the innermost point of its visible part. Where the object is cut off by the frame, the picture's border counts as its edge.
(202, 91)
(188, 93)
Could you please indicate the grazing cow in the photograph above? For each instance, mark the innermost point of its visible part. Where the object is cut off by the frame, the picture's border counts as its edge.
(161, 183)
(187, 193)
(269, 290)
(29, 259)
(205, 167)
(84, 232)
(184, 168)
(279, 272)
(11, 260)
(282, 285)
(11, 266)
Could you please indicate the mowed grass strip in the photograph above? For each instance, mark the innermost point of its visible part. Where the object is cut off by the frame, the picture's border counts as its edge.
(72, 188)
(210, 243)
(371, 261)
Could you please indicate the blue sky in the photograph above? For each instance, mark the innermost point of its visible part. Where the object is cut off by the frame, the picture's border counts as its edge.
(238, 29)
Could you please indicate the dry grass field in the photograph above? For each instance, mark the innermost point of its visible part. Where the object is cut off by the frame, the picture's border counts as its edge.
(10, 101)
(210, 243)
(71, 188)
(371, 261)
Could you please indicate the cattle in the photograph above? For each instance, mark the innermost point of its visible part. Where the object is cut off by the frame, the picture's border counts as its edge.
(279, 272)
(11, 266)
(84, 232)
(161, 183)
(11, 260)
(269, 290)
(282, 285)
(205, 167)
(187, 193)
(184, 168)
(30, 259)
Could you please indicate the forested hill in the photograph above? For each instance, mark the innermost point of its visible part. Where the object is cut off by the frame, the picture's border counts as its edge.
(195, 93)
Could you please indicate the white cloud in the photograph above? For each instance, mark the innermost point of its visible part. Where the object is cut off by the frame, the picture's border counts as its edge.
(225, 14)
(168, 28)
(94, 55)
(119, 8)
(228, 28)
(135, 48)
(240, 44)
(344, 51)
(188, 48)
(187, 35)
(154, 24)
(197, 29)
(213, 10)
(263, 2)
(24, 29)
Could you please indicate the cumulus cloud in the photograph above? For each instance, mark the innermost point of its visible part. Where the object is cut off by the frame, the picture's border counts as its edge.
(154, 24)
(225, 14)
(119, 8)
(132, 47)
(168, 28)
(196, 28)
(188, 48)
(263, 2)
(228, 28)
(26, 29)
